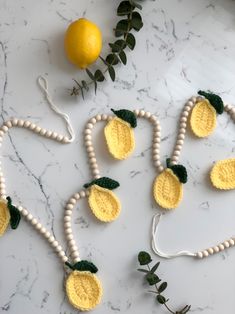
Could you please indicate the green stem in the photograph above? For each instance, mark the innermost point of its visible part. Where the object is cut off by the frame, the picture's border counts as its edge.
(166, 306)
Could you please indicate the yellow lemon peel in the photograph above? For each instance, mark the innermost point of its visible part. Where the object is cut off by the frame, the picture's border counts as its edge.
(223, 174)
(120, 138)
(203, 119)
(167, 189)
(83, 43)
(104, 203)
(4, 217)
(84, 290)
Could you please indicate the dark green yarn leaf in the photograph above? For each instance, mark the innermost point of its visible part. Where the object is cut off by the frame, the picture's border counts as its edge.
(15, 216)
(144, 258)
(85, 266)
(127, 116)
(103, 182)
(215, 100)
(181, 172)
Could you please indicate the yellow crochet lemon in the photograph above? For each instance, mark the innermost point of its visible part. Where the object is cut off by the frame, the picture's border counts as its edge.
(4, 217)
(203, 119)
(167, 189)
(84, 290)
(223, 174)
(104, 203)
(83, 43)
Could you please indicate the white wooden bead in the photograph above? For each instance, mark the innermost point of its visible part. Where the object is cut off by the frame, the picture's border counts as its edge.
(68, 231)
(142, 113)
(93, 120)
(72, 242)
(24, 212)
(48, 133)
(87, 193)
(183, 119)
(9, 124)
(181, 136)
(94, 166)
(221, 247)
(83, 194)
(59, 248)
(91, 154)
(174, 158)
(75, 254)
(226, 244)
(190, 103)
(90, 149)
(38, 226)
(157, 163)
(153, 118)
(180, 142)
(187, 108)
(157, 134)
(183, 125)
(147, 114)
(67, 218)
(231, 242)
(77, 196)
(4, 128)
(55, 244)
(73, 248)
(176, 152)
(199, 254)
(89, 126)
(136, 112)
(199, 98)
(15, 121)
(64, 259)
(210, 251)
(156, 151)
(43, 230)
(65, 140)
(29, 217)
(34, 221)
(88, 137)
(1, 133)
(178, 147)
(88, 143)
(205, 253)
(96, 172)
(69, 236)
(69, 206)
(2, 186)
(98, 117)
(47, 235)
(182, 131)
(87, 132)
(156, 140)
(67, 225)
(156, 146)
(216, 249)
(93, 160)
(193, 99)
(185, 114)
(72, 201)
(27, 123)
(20, 123)
(43, 132)
(54, 135)
(61, 253)
(160, 169)
(104, 117)
(51, 239)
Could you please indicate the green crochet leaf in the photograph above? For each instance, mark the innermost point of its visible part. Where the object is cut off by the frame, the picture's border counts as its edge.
(15, 216)
(103, 182)
(181, 172)
(127, 116)
(215, 100)
(85, 266)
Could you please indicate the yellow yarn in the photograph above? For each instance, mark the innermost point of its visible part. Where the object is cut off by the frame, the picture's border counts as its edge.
(120, 138)
(223, 174)
(104, 203)
(4, 217)
(167, 189)
(84, 290)
(203, 119)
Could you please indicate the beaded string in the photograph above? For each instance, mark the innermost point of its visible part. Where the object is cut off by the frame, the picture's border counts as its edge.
(177, 150)
(7, 125)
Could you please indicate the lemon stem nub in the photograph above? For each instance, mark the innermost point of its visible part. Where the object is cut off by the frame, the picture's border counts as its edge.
(179, 170)
(215, 100)
(14, 214)
(103, 182)
(127, 116)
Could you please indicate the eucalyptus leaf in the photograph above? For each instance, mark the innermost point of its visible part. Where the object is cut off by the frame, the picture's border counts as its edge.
(136, 21)
(161, 299)
(111, 73)
(144, 258)
(112, 59)
(155, 267)
(123, 57)
(99, 76)
(124, 8)
(91, 76)
(152, 279)
(162, 287)
(130, 40)
(121, 28)
(84, 85)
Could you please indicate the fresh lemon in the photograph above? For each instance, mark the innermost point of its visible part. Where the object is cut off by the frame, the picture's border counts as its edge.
(83, 43)
(4, 217)
(84, 290)
(167, 189)
(223, 174)
(104, 203)
(203, 119)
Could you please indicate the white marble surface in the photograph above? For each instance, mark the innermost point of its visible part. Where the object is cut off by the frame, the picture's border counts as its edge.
(185, 45)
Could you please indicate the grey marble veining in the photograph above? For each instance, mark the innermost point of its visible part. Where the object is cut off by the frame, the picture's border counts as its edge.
(184, 45)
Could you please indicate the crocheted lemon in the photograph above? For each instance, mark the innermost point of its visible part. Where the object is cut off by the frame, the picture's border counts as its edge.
(8, 214)
(119, 134)
(203, 117)
(83, 287)
(4, 217)
(104, 203)
(223, 174)
(83, 43)
(168, 188)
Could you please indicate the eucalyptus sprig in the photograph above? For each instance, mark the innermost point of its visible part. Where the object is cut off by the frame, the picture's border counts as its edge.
(131, 20)
(153, 280)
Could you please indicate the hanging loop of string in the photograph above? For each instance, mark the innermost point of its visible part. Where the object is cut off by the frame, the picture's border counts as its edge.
(155, 225)
(42, 81)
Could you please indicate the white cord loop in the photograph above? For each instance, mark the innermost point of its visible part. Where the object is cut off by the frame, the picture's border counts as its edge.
(155, 224)
(42, 81)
